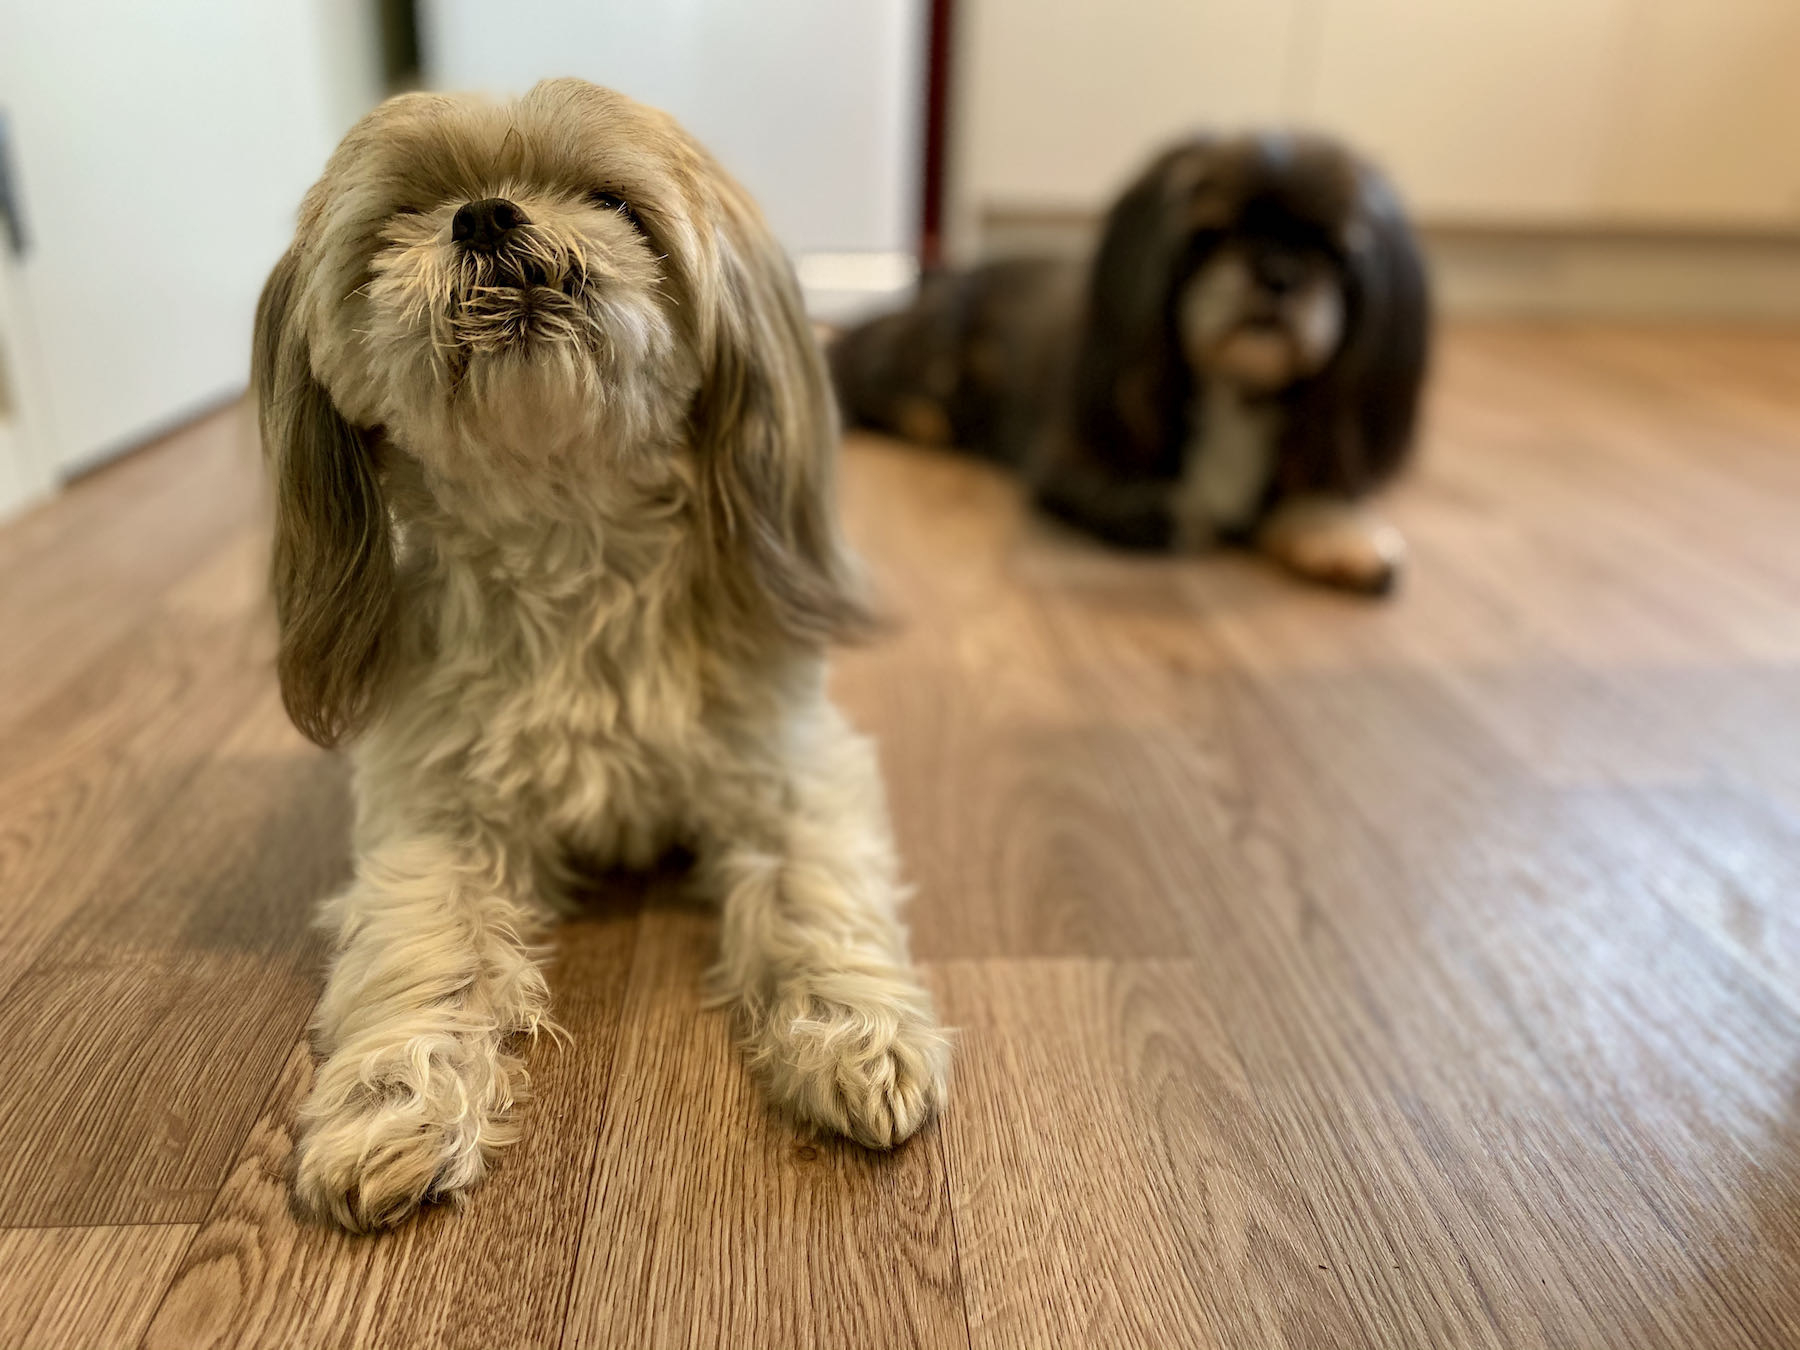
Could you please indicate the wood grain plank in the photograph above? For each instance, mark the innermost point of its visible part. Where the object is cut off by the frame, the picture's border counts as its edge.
(1532, 1009)
(1161, 1212)
(1368, 1014)
(1010, 828)
(997, 776)
(84, 779)
(1644, 468)
(84, 1288)
(1447, 944)
(714, 1222)
(495, 1274)
(151, 1029)
(82, 570)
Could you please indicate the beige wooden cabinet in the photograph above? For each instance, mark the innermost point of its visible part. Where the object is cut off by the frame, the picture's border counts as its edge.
(1634, 114)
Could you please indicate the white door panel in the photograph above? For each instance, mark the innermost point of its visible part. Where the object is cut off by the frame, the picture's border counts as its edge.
(814, 104)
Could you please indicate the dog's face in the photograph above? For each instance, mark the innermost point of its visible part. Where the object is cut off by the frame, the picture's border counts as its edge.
(1270, 225)
(1262, 311)
(544, 306)
(532, 318)
(521, 281)
(1278, 262)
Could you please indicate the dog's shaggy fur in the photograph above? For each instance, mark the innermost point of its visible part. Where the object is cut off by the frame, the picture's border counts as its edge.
(556, 557)
(1242, 360)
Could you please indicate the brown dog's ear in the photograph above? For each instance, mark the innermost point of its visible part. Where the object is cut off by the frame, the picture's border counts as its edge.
(333, 566)
(1131, 384)
(766, 439)
(1350, 428)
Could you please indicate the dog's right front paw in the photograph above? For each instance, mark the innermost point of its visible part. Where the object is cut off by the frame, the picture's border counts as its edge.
(1336, 543)
(371, 1153)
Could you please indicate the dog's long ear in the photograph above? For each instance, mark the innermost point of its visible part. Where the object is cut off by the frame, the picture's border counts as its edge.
(1131, 383)
(1351, 426)
(766, 437)
(333, 565)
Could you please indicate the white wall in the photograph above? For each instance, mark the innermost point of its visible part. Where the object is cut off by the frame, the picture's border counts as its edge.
(813, 104)
(160, 150)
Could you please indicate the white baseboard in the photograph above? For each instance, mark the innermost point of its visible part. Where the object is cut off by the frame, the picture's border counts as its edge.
(27, 464)
(1535, 272)
(22, 485)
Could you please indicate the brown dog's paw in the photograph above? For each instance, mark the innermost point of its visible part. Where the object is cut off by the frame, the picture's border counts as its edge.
(1336, 544)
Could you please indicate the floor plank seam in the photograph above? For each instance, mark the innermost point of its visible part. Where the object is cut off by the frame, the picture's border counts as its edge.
(962, 1285)
(263, 1110)
(96, 1227)
(612, 1058)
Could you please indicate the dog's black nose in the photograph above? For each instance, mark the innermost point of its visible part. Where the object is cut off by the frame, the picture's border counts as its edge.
(484, 225)
(1277, 274)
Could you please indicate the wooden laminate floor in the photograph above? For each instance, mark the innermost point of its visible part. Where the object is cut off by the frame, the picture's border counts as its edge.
(1328, 973)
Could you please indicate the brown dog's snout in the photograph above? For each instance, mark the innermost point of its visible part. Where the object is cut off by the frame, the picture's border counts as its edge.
(484, 225)
(1278, 273)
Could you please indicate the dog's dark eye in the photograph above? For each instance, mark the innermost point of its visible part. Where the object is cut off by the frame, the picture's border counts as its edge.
(612, 201)
(407, 211)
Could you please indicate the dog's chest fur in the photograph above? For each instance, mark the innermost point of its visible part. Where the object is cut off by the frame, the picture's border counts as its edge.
(1227, 464)
(559, 685)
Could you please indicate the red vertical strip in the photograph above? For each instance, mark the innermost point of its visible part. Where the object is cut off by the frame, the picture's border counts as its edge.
(937, 131)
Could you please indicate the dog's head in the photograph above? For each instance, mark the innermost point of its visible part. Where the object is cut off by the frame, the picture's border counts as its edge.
(1279, 263)
(1263, 258)
(533, 305)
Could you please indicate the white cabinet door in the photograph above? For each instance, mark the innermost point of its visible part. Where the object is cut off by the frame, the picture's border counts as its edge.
(1707, 121)
(1067, 98)
(1490, 110)
(160, 151)
(1658, 113)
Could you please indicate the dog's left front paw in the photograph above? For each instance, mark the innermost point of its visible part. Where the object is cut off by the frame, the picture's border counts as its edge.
(874, 1068)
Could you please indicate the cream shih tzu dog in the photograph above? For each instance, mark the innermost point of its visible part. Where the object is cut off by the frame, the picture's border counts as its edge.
(556, 558)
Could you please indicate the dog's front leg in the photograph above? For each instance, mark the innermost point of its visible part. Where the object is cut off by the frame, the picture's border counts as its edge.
(431, 985)
(835, 1022)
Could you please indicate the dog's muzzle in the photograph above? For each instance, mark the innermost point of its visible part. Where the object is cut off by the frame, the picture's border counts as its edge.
(512, 290)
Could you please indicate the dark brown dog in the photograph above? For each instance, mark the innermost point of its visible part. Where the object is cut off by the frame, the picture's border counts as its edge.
(1242, 361)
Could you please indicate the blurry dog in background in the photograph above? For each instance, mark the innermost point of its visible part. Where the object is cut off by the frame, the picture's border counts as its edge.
(556, 554)
(1242, 362)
